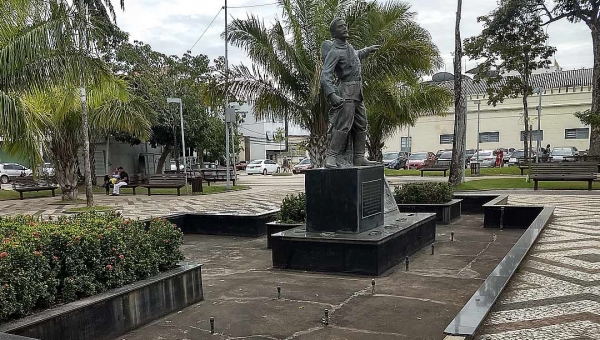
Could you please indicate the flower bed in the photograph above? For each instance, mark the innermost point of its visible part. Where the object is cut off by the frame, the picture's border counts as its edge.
(44, 263)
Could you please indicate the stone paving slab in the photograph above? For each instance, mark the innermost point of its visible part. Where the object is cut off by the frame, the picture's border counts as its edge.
(556, 291)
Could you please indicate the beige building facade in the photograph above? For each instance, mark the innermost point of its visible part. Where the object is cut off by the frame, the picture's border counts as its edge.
(502, 126)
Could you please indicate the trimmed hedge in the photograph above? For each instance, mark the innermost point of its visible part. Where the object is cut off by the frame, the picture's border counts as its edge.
(44, 263)
(293, 209)
(424, 193)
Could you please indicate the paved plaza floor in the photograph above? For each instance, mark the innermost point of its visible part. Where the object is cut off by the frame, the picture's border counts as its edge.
(554, 294)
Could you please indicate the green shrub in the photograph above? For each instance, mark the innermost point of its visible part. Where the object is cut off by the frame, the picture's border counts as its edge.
(43, 263)
(423, 193)
(293, 209)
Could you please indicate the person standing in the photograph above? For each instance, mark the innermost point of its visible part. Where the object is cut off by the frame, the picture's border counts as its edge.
(347, 117)
(123, 180)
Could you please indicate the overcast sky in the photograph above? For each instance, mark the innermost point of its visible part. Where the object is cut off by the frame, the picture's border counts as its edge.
(173, 26)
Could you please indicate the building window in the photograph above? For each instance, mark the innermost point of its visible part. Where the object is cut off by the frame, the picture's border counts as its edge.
(489, 137)
(535, 135)
(579, 133)
(405, 144)
(446, 139)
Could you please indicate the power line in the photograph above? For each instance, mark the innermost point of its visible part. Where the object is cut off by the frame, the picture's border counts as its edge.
(259, 5)
(213, 20)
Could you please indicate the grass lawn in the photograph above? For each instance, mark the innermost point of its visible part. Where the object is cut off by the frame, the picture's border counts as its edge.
(520, 183)
(214, 189)
(507, 170)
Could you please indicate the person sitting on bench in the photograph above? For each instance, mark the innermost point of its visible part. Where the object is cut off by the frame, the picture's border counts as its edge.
(123, 180)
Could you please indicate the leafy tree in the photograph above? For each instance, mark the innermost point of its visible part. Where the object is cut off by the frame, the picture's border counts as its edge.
(284, 81)
(156, 77)
(588, 12)
(32, 58)
(460, 109)
(279, 136)
(54, 119)
(512, 40)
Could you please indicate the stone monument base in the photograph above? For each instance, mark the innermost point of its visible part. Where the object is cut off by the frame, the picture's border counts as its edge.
(372, 252)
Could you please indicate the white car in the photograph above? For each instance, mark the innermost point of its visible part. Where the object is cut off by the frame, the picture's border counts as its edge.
(486, 158)
(262, 166)
(12, 170)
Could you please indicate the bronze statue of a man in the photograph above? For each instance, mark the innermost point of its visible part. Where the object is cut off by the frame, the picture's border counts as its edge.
(348, 117)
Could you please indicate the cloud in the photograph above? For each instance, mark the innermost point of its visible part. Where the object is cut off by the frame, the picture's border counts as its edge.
(172, 27)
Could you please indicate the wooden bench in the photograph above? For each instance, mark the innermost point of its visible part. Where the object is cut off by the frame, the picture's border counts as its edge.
(135, 181)
(171, 181)
(217, 175)
(444, 169)
(24, 184)
(575, 171)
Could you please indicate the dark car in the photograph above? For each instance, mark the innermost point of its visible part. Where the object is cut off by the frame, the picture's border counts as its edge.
(440, 152)
(564, 154)
(398, 163)
(301, 167)
(241, 165)
(444, 160)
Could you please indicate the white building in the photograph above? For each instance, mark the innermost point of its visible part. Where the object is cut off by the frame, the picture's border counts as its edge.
(259, 136)
(565, 93)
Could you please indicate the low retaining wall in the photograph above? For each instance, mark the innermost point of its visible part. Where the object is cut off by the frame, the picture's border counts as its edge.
(445, 212)
(111, 314)
(276, 227)
(224, 224)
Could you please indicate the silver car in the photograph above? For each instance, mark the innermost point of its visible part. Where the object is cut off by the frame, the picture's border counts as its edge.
(564, 154)
(486, 158)
(12, 170)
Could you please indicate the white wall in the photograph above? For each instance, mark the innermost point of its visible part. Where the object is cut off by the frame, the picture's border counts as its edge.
(507, 119)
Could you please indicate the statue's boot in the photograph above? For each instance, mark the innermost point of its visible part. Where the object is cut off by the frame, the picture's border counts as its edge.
(338, 141)
(360, 141)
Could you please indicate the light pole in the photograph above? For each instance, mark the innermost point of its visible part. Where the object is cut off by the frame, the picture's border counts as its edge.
(478, 102)
(178, 100)
(539, 91)
(227, 109)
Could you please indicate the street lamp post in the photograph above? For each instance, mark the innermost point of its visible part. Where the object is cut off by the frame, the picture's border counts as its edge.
(478, 102)
(539, 91)
(178, 100)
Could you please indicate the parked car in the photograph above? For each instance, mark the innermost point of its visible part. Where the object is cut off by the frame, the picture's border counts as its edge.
(517, 157)
(440, 152)
(444, 159)
(398, 163)
(262, 166)
(241, 165)
(301, 167)
(48, 170)
(486, 159)
(389, 157)
(564, 154)
(469, 153)
(9, 171)
(418, 160)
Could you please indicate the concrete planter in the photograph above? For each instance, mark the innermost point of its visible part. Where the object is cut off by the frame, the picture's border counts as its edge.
(276, 227)
(445, 212)
(111, 314)
(224, 224)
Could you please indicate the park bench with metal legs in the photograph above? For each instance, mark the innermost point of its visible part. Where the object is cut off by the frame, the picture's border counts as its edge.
(444, 169)
(134, 182)
(568, 171)
(165, 181)
(22, 185)
(217, 175)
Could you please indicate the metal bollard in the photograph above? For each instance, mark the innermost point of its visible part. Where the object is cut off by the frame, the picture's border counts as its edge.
(432, 248)
(407, 261)
(373, 286)
(212, 325)
(452, 236)
(278, 292)
(326, 319)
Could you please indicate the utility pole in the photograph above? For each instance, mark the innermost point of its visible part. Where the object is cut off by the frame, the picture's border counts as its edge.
(227, 160)
(539, 110)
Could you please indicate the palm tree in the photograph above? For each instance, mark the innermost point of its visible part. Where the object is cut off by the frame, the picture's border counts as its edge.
(88, 12)
(36, 52)
(285, 78)
(54, 117)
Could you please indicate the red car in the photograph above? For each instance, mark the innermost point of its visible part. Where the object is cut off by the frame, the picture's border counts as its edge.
(302, 166)
(241, 165)
(418, 160)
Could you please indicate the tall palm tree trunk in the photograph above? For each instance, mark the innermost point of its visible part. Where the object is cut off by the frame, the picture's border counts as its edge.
(460, 109)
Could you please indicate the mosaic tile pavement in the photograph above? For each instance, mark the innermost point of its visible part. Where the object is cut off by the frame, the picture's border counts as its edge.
(257, 200)
(555, 294)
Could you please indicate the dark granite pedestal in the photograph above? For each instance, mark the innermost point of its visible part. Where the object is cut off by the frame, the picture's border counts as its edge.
(369, 253)
(353, 225)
